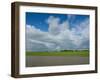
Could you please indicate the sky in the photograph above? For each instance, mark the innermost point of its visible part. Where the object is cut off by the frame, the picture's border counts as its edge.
(52, 32)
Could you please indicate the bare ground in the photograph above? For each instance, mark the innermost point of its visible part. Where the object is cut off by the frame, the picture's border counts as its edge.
(33, 61)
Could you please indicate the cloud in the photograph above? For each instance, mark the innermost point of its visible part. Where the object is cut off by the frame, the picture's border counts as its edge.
(53, 25)
(59, 36)
(71, 16)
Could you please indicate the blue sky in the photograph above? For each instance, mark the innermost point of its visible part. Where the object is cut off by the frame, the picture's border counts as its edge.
(50, 32)
(39, 19)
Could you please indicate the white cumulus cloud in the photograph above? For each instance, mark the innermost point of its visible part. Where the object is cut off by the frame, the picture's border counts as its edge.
(59, 36)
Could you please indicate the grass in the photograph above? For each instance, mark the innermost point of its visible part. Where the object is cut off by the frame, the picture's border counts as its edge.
(83, 53)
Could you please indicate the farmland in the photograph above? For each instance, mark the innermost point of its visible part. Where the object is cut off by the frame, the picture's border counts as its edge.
(82, 53)
(65, 57)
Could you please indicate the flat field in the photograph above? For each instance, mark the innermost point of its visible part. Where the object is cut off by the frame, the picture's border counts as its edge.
(66, 57)
(82, 53)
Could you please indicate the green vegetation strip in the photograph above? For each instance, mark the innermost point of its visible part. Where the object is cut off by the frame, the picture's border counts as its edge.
(83, 53)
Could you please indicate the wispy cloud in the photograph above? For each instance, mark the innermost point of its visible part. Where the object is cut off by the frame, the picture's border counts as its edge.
(59, 36)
